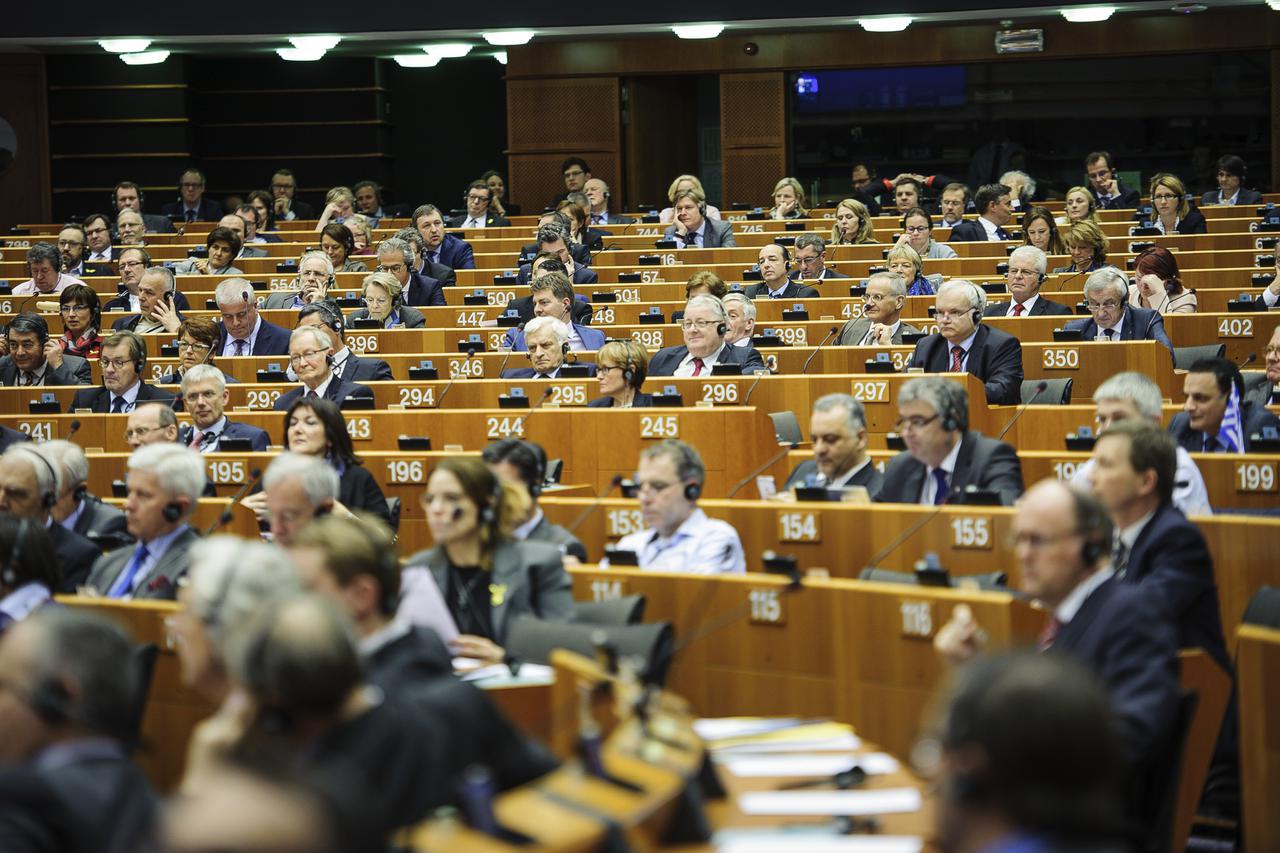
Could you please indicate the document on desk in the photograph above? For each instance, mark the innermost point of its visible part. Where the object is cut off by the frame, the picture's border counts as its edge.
(834, 803)
(873, 763)
(815, 840)
(745, 735)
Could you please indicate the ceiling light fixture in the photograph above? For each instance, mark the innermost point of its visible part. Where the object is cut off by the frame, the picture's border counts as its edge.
(1088, 14)
(150, 57)
(894, 24)
(124, 45)
(509, 37)
(315, 42)
(297, 54)
(1274, 4)
(698, 31)
(416, 60)
(450, 50)
(501, 56)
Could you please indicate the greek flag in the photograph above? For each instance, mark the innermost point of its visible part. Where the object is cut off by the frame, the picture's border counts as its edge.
(1231, 431)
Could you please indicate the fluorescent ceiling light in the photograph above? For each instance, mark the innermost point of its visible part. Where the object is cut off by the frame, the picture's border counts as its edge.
(895, 24)
(509, 37)
(501, 56)
(416, 60)
(151, 57)
(698, 31)
(315, 42)
(1274, 4)
(124, 45)
(296, 54)
(1088, 14)
(450, 50)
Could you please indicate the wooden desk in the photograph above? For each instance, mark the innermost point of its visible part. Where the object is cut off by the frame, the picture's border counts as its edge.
(1258, 680)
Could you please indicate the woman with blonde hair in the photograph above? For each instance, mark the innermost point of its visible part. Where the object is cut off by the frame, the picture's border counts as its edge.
(381, 291)
(1173, 214)
(679, 185)
(788, 200)
(906, 262)
(339, 204)
(1087, 246)
(852, 224)
(1081, 206)
(621, 368)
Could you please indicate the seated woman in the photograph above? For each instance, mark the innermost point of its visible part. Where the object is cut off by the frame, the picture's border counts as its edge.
(905, 261)
(1039, 230)
(261, 201)
(339, 243)
(223, 245)
(1159, 285)
(853, 224)
(1173, 214)
(703, 282)
(81, 319)
(621, 368)
(339, 204)
(486, 577)
(197, 344)
(788, 200)
(1081, 206)
(1087, 246)
(382, 301)
(361, 233)
(679, 185)
(497, 192)
(917, 232)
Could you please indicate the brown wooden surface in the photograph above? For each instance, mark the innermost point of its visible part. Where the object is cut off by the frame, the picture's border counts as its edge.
(1258, 680)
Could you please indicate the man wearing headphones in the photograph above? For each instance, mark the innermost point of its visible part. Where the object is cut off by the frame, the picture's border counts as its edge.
(128, 196)
(944, 458)
(881, 323)
(995, 209)
(1105, 185)
(44, 265)
(1027, 266)
(165, 483)
(243, 331)
(130, 228)
(838, 427)
(1106, 293)
(100, 252)
(68, 707)
(72, 241)
(598, 195)
(369, 201)
(774, 263)
(397, 257)
(963, 344)
(438, 246)
(552, 296)
(296, 489)
(151, 423)
(315, 277)
(28, 571)
(553, 240)
(547, 340)
(311, 357)
(704, 325)
(478, 214)
(123, 359)
(347, 366)
(677, 535)
(741, 314)
(205, 396)
(692, 228)
(157, 289)
(427, 268)
(29, 488)
(811, 260)
(133, 262)
(525, 463)
(34, 359)
(580, 253)
(77, 509)
(191, 205)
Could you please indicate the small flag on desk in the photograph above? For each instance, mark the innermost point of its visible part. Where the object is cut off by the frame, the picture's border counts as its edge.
(1231, 431)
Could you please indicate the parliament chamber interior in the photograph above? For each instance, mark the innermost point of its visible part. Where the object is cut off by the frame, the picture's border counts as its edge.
(947, 524)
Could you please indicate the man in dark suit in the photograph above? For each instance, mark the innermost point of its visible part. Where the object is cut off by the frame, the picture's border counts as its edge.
(129, 196)
(347, 366)
(10, 437)
(34, 360)
(439, 247)
(71, 695)
(1203, 425)
(838, 427)
(704, 326)
(156, 296)
(397, 257)
(1106, 293)
(552, 296)
(881, 323)
(599, 196)
(191, 204)
(311, 355)
(553, 240)
(123, 360)
(242, 330)
(1231, 174)
(205, 397)
(1107, 190)
(29, 487)
(963, 344)
(525, 464)
(547, 340)
(77, 509)
(692, 228)
(133, 263)
(1264, 393)
(944, 458)
(580, 274)
(478, 214)
(1026, 274)
(423, 265)
(284, 187)
(774, 263)
(995, 209)
(811, 260)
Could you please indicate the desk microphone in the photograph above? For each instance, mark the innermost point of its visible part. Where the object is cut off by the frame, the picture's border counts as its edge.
(1063, 284)
(1249, 359)
(452, 379)
(582, 516)
(772, 459)
(255, 474)
(28, 298)
(75, 428)
(503, 364)
(907, 534)
(835, 330)
(1040, 389)
(747, 399)
(546, 392)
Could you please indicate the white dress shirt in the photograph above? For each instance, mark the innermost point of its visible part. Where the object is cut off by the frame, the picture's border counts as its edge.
(930, 491)
(701, 545)
(229, 348)
(1070, 606)
(708, 362)
(1026, 307)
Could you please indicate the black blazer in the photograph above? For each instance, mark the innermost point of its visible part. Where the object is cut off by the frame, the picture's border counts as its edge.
(271, 340)
(1192, 440)
(1192, 223)
(793, 290)
(717, 235)
(1125, 197)
(1138, 324)
(98, 399)
(968, 231)
(1042, 308)
(337, 391)
(74, 371)
(1245, 197)
(358, 368)
(640, 401)
(423, 290)
(76, 556)
(121, 303)
(581, 275)
(10, 437)
(869, 477)
(581, 309)
(456, 253)
(995, 358)
(418, 656)
(358, 490)
(103, 524)
(492, 220)
(208, 211)
(554, 534)
(530, 373)
(666, 360)
(990, 465)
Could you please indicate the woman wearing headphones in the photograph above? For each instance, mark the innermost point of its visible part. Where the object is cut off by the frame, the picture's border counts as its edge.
(1087, 246)
(1039, 230)
(382, 301)
(788, 200)
(621, 368)
(853, 224)
(905, 261)
(1173, 214)
(340, 244)
(486, 577)
(197, 344)
(1159, 285)
(81, 319)
(1081, 207)
(917, 232)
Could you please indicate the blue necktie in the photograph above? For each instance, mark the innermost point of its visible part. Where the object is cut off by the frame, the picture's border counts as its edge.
(125, 583)
(1002, 234)
(117, 405)
(940, 486)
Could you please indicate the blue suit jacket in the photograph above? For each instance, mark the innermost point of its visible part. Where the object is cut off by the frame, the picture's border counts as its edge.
(1139, 324)
(271, 340)
(529, 373)
(592, 339)
(995, 357)
(258, 437)
(581, 275)
(1255, 417)
(969, 231)
(456, 253)
(666, 360)
(423, 290)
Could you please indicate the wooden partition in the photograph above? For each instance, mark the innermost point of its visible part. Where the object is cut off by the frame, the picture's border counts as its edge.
(1258, 680)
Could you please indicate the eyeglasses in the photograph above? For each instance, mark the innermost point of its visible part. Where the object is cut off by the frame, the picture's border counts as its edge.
(70, 242)
(804, 262)
(913, 423)
(917, 229)
(74, 309)
(952, 315)
(98, 230)
(654, 486)
(128, 265)
(320, 274)
(574, 173)
(1036, 541)
(877, 297)
(700, 325)
(391, 268)
(1270, 351)
(474, 197)
(1163, 197)
(117, 363)
(139, 432)
(187, 346)
(1109, 305)
(307, 356)
(376, 301)
(1021, 271)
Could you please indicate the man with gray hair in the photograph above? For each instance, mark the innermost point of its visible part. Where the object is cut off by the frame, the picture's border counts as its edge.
(838, 427)
(811, 260)
(205, 396)
(1106, 293)
(553, 238)
(151, 423)
(963, 344)
(428, 268)
(398, 258)
(44, 265)
(705, 324)
(315, 276)
(741, 319)
(29, 488)
(945, 460)
(157, 293)
(1134, 396)
(1022, 188)
(881, 322)
(1026, 274)
(77, 509)
(165, 482)
(547, 341)
(311, 357)
(243, 331)
(297, 489)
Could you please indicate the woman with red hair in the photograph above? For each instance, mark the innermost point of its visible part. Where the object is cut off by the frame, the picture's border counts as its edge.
(1159, 285)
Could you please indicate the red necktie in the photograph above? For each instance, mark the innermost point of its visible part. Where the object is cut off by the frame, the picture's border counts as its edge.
(957, 360)
(697, 366)
(1049, 634)
(1017, 309)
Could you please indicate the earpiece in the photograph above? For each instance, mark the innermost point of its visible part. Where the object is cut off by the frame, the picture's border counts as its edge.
(49, 497)
(1092, 551)
(328, 361)
(721, 329)
(692, 491)
(489, 512)
(629, 374)
(564, 348)
(172, 511)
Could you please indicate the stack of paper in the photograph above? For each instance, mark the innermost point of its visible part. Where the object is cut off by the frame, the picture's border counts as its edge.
(775, 734)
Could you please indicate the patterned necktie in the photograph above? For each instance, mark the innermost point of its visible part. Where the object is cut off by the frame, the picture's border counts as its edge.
(28, 378)
(940, 486)
(1050, 633)
(1001, 234)
(691, 240)
(191, 216)
(957, 359)
(1120, 557)
(697, 366)
(433, 257)
(124, 585)
(240, 345)
(1017, 309)
(597, 219)
(197, 438)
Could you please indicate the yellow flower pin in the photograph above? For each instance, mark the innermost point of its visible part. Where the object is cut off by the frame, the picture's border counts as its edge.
(497, 594)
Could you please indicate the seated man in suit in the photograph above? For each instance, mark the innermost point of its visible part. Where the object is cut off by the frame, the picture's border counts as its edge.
(244, 331)
(1231, 175)
(963, 344)
(1106, 293)
(296, 489)
(440, 247)
(99, 253)
(478, 214)
(881, 323)
(952, 204)
(205, 397)
(123, 360)
(1106, 188)
(547, 342)
(598, 196)
(525, 464)
(284, 186)
(151, 423)
(157, 289)
(133, 263)
(692, 228)
(774, 263)
(77, 509)
(740, 313)
(1268, 395)
(553, 240)
(191, 205)
(580, 252)
(234, 223)
(397, 257)
(131, 228)
(129, 196)
(1216, 417)
(165, 482)
(838, 427)
(1026, 274)
(315, 277)
(311, 356)
(677, 535)
(705, 325)
(29, 488)
(811, 260)
(71, 687)
(944, 458)
(347, 366)
(544, 264)
(553, 296)
(995, 209)
(34, 359)
(425, 266)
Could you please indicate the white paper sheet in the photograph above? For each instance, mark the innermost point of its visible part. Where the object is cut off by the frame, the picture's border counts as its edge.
(811, 842)
(719, 728)
(840, 743)
(809, 765)
(853, 803)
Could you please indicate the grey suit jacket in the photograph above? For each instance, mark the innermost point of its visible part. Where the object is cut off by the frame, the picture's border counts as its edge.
(161, 582)
(280, 299)
(253, 252)
(103, 524)
(527, 578)
(868, 477)
(716, 235)
(554, 534)
(74, 371)
(856, 329)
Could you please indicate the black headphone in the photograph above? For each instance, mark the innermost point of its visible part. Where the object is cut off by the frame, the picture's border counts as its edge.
(721, 329)
(629, 373)
(9, 576)
(786, 257)
(976, 315)
(142, 198)
(489, 512)
(952, 418)
(564, 348)
(50, 700)
(692, 491)
(138, 345)
(49, 497)
(328, 360)
(172, 511)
